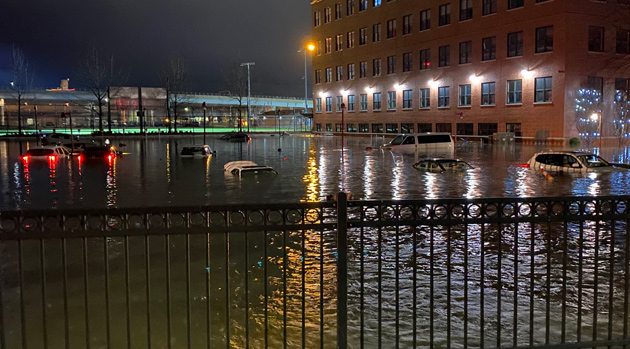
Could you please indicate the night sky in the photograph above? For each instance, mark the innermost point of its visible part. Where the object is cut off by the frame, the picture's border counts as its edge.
(143, 34)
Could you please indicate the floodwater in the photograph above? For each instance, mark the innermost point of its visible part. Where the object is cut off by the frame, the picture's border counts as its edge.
(151, 173)
(219, 290)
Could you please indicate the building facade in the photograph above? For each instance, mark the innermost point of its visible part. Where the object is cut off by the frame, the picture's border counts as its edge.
(469, 67)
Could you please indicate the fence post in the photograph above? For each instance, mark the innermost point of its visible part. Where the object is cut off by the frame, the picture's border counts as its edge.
(342, 271)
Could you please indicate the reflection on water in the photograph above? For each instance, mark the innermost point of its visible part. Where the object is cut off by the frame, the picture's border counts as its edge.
(151, 173)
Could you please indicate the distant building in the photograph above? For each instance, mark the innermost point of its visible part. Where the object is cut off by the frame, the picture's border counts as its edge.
(470, 67)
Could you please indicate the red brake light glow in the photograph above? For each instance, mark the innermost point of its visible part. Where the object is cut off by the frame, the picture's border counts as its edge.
(52, 157)
(524, 165)
(25, 158)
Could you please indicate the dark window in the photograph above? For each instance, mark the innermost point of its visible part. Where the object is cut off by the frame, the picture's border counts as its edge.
(425, 59)
(407, 99)
(351, 127)
(429, 139)
(351, 102)
(488, 93)
(465, 129)
(407, 23)
(488, 129)
(623, 41)
(444, 97)
(425, 98)
(445, 14)
(376, 33)
(391, 28)
(376, 101)
(444, 56)
(328, 127)
(337, 11)
(544, 39)
(407, 62)
(489, 48)
(596, 39)
(465, 52)
(425, 128)
(595, 83)
(376, 67)
(391, 64)
(362, 36)
(425, 20)
(377, 128)
(391, 128)
(349, 7)
(318, 127)
(465, 10)
(542, 90)
(464, 95)
(621, 85)
(514, 4)
(406, 128)
(362, 69)
(443, 127)
(515, 44)
(364, 128)
(363, 4)
(514, 92)
(489, 7)
(514, 127)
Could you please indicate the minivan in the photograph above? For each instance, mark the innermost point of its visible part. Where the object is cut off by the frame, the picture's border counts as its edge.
(422, 142)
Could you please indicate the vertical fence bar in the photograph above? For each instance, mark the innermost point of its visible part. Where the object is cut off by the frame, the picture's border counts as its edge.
(580, 269)
(284, 287)
(266, 290)
(227, 288)
(515, 325)
(565, 256)
(188, 306)
(499, 282)
(127, 293)
(107, 314)
(548, 292)
(321, 289)
(167, 255)
(482, 306)
(431, 290)
(414, 280)
(87, 293)
(362, 281)
(66, 320)
(3, 343)
(397, 286)
(466, 286)
(611, 281)
(147, 271)
(532, 270)
(448, 286)
(380, 286)
(342, 271)
(22, 304)
(208, 298)
(596, 281)
(303, 237)
(42, 259)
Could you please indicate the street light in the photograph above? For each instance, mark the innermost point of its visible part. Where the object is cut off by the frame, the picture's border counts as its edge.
(598, 117)
(249, 112)
(309, 47)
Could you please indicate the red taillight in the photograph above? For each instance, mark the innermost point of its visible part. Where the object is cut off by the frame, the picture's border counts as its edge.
(80, 158)
(110, 157)
(52, 157)
(524, 165)
(25, 158)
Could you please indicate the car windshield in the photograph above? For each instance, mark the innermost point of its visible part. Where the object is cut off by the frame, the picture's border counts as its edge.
(398, 140)
(593, 161)
(454, 165)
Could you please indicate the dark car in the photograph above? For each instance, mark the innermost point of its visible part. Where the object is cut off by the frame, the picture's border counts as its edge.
(99, 152)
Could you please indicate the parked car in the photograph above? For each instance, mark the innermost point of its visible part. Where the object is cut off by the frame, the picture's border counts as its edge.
(58, 138)
(99, 152)
(442, 165)
(243, 168)
(571, 162)
(197, 151)
(425, 142)
(50, 152)
(236, 137)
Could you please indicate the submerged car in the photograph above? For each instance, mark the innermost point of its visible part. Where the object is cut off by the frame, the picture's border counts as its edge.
(236, 137)
(442, 165)
(197, 151)
(571, 162)
(99, 152)
(242, 168)
(440, 141)
(50, 152)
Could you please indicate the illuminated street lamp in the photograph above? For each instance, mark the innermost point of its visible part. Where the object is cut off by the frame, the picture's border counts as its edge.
(309, 47)
(598, 117)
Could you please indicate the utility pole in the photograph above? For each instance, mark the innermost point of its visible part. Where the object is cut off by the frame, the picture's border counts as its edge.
(248, 64)
(141, 110)
(168, 107)
(109, 112)
(204, 122)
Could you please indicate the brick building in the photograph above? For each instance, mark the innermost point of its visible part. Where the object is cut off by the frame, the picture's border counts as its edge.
(471, 67)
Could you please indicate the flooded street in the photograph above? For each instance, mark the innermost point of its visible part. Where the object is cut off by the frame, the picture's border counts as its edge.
(152, 173)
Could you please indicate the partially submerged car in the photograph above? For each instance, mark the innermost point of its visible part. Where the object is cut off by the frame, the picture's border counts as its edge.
(571, 162)
(197, 151)
(442, 165)
(242, 168)
(49, 152)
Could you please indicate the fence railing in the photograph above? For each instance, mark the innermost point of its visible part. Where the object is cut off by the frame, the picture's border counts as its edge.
(489, 273)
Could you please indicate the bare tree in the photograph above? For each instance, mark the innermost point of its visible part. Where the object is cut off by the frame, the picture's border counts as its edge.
(236, 84)
(98, 74)
(177, 80)
(22, 82)
(621, 117)
(588, 111)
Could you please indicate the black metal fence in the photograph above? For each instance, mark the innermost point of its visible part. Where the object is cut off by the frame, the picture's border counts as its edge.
(489, 273)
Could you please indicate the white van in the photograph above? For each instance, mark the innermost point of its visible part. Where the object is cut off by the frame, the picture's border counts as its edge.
(422, 142)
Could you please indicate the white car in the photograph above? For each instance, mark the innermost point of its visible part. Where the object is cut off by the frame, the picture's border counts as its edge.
(241, 168)
(50, 152)
(571, 162)
(424, 142)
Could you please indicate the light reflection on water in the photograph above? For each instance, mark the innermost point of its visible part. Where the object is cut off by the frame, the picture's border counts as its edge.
(310, 169)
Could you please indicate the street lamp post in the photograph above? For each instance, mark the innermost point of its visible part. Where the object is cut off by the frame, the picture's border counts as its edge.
(343, 108)
(249, 112)
(203, 105)
(598, 117)
(309, 47)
